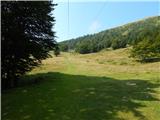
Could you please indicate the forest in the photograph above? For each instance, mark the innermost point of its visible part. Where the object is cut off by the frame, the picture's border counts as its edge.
(142, 35)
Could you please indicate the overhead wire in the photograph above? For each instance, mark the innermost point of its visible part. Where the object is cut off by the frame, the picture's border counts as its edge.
(100, 11)
(68, 21)
(68, 30)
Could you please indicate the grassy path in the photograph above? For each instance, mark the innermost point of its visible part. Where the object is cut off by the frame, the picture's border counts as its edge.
(87, 87)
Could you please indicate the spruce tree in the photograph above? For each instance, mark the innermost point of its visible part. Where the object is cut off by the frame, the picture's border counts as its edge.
(27, 37)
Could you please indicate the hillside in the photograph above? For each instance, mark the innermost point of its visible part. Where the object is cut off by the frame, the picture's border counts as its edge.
(110, 62)
(106, 85)
(118, 37)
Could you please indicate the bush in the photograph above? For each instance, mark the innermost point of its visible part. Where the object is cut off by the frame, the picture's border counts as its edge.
(147, 50)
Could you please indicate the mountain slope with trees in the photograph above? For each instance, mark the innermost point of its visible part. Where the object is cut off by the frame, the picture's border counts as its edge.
(130, 34)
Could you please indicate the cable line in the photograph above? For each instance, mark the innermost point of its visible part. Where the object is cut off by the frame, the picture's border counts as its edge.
(68, 30)
(68, 19)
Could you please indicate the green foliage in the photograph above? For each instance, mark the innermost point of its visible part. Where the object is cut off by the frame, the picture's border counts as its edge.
(82, 48)
(27, 37)
(115, 44)
(56, 50)
(147, 50)
(63, 47)
(119, 37)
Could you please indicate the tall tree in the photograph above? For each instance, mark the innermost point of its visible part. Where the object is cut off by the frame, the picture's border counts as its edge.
(27, 37)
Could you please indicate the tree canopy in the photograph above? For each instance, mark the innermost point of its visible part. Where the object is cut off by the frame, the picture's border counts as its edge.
(27, 37)
(119, 37)
(148, 49)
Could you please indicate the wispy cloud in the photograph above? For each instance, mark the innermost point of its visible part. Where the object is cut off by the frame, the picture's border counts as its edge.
(95, 25)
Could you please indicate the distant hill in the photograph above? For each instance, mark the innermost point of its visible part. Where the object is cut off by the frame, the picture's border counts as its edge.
(115, 38)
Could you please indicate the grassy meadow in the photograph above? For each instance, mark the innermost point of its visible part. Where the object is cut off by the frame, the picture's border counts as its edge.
(108, 85)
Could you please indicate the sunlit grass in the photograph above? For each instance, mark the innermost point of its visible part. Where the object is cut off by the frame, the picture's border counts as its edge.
(100, 86)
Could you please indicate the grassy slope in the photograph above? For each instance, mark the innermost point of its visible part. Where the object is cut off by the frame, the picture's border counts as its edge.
(101, 86)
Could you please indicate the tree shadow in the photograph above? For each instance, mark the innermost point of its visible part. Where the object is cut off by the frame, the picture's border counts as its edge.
(149, 60)
(79, 97)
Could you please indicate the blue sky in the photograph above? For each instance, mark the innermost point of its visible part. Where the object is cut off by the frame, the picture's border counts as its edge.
(92, 16)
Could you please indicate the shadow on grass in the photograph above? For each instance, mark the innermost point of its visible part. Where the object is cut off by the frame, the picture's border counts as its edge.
(79, 97)
(149, 60)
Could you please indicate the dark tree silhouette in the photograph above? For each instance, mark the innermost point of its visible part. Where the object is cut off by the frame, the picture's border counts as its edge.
(27, 37)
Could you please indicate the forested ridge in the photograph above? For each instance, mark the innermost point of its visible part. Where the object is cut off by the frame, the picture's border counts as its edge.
(130, 34)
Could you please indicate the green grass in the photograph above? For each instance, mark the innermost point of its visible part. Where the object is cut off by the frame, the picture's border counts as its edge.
(81, 87)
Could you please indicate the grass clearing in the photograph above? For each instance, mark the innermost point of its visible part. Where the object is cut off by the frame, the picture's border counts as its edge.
(100, 86)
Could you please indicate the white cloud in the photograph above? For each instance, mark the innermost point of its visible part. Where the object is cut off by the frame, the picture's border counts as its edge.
(95, 25)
